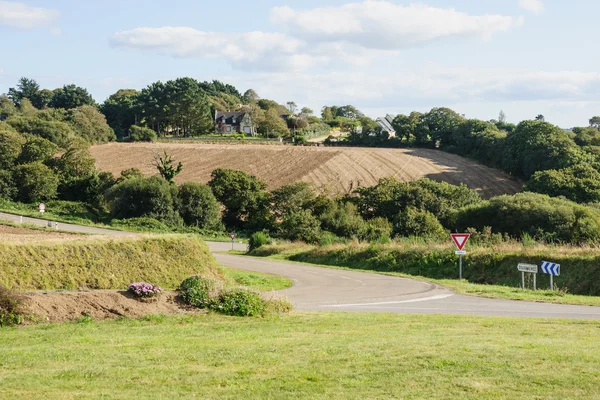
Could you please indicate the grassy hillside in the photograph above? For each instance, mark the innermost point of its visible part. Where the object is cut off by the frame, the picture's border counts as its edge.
(336, 170)
(493, 264)
(304, 356)
(102, 263)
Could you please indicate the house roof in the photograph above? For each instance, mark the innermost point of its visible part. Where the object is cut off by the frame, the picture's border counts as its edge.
(229, 116)
(385, 124)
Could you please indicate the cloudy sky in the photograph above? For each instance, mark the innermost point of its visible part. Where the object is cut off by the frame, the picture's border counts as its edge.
(525, 57)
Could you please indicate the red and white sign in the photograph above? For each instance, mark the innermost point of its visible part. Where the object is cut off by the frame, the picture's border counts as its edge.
(460, 239)
(42, 207)
(232, 236)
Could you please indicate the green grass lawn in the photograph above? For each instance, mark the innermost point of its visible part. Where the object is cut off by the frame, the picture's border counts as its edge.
(255, 280)
(303, 356)
(473, 289)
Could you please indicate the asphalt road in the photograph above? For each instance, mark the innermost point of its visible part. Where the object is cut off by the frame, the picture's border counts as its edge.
(325, 289)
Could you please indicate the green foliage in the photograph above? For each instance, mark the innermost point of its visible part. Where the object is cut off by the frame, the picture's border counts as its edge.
(121, 110)
(71, 96)
(7, 107)
(141, 134)
(273, 125)
(37, 149)
(201, 292)
(10, 308)
(540, 216)
(198, 206)
(480, 140)
(143, 197)
(258, 239)
(165, 167)
(57, 132)
(90, 124)
(414, 222)
(76, 161)
(36, 182)
(240, 193)
(104, 263)
(11, 144)
(314, 130)
(8, 186)
(580, 183)
(241, 302)
(301, 225)
(343, 220)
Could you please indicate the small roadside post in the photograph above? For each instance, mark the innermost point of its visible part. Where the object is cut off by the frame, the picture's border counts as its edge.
(232, 235)
(42, 208)
(551, 269)
(530, 268)
(460, 239)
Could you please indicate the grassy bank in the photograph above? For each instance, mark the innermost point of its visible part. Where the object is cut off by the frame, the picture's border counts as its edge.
(104, 263)
(490, 271)
(304, 356)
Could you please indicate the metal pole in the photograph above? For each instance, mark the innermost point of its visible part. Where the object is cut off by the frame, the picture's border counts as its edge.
(551, 282)
(231, 244)
(534, 283)
(523, 280)
(460, 267)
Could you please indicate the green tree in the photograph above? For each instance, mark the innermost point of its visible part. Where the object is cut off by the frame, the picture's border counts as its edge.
(166, 168)
(7, 108)
(273, 125)
(580, 183)
(250, 96)
(26, 89)
(151, 197)
(441, 123)
(501, 117)
(122, 110)
(11, 144)
(154, 106)
(37, 149)
(141, 134)
(292, 106)
(240, 193)
(326, 114)
(71, 96)
(36, 182)
(290, 198)
(301, 225)
(90, 124)
(77, 161)
(414, 222)
(540, 117)
(595, 122)
(189, 107)
(198, 206)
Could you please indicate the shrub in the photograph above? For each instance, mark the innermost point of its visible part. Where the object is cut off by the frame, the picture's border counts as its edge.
(301, 225)
(241, 302)
(143, 197)
(36, 182)
(258, 239)
(8, 187)
(90, 124)
(201, 292)
(37, 149)
(10, 308)
(198, 206)
(413, 222)
(377, 229)
(11, 144)
(141, 134)
(145, 290)
(141, 223)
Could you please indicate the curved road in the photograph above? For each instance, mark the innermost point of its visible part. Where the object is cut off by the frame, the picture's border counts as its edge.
(325, 289)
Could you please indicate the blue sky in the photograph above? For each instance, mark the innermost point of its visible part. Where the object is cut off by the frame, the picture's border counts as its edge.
(525, 57)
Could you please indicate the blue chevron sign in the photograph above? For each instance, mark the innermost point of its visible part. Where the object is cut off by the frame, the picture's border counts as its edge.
(550, 268)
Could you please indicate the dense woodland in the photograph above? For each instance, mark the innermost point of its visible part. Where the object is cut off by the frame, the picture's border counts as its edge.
(44, 155)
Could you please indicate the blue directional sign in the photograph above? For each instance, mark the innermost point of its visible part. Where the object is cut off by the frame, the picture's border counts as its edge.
(550, 268)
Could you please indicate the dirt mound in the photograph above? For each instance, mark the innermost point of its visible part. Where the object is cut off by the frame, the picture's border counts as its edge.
(333, 169)
(99, 304)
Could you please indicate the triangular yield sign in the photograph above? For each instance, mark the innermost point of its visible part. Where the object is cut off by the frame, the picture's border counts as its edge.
(460, 239)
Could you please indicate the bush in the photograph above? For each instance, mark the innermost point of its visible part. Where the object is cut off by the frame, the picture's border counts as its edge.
(201, 292)
(36, 182)
(277, 306)
(10, 308)
(37, 149)
(90, 124)
(11, 144)
(141, 134)
(413, 222)
(8, 187)
(301, 225)
(141, 224)
(377, 229)
(150, 197)
(580, 183)
(258, 239)
(540, 216)
(198, 206)
(144, 290)
(241, 302)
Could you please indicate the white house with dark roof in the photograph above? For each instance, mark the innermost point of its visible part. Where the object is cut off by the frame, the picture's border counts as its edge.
(234, 122)
(386, 125)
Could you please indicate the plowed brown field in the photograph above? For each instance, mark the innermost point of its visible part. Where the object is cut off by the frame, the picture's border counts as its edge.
(332, 169)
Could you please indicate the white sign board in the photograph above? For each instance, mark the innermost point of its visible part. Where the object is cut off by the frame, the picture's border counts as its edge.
(460, 252)
(42, 207)
(527, 268)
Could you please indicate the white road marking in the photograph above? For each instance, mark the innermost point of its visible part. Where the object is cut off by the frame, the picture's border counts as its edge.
(436, 297)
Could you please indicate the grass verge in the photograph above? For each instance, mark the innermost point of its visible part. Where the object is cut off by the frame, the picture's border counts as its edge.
(320, 257)
(304, 356)
(104, 263)
(255, 280)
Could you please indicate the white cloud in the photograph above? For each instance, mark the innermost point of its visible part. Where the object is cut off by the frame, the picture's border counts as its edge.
(383, 25)
(249, 50)
(534, 6)
(20, 15)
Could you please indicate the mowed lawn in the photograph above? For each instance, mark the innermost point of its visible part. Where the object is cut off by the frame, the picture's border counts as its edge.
(304, 355)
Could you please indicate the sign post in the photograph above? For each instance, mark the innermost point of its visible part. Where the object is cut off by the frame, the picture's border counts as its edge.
(551, 269)
(42, 208)
(531, 268)
(232, 235)
(460, 239)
